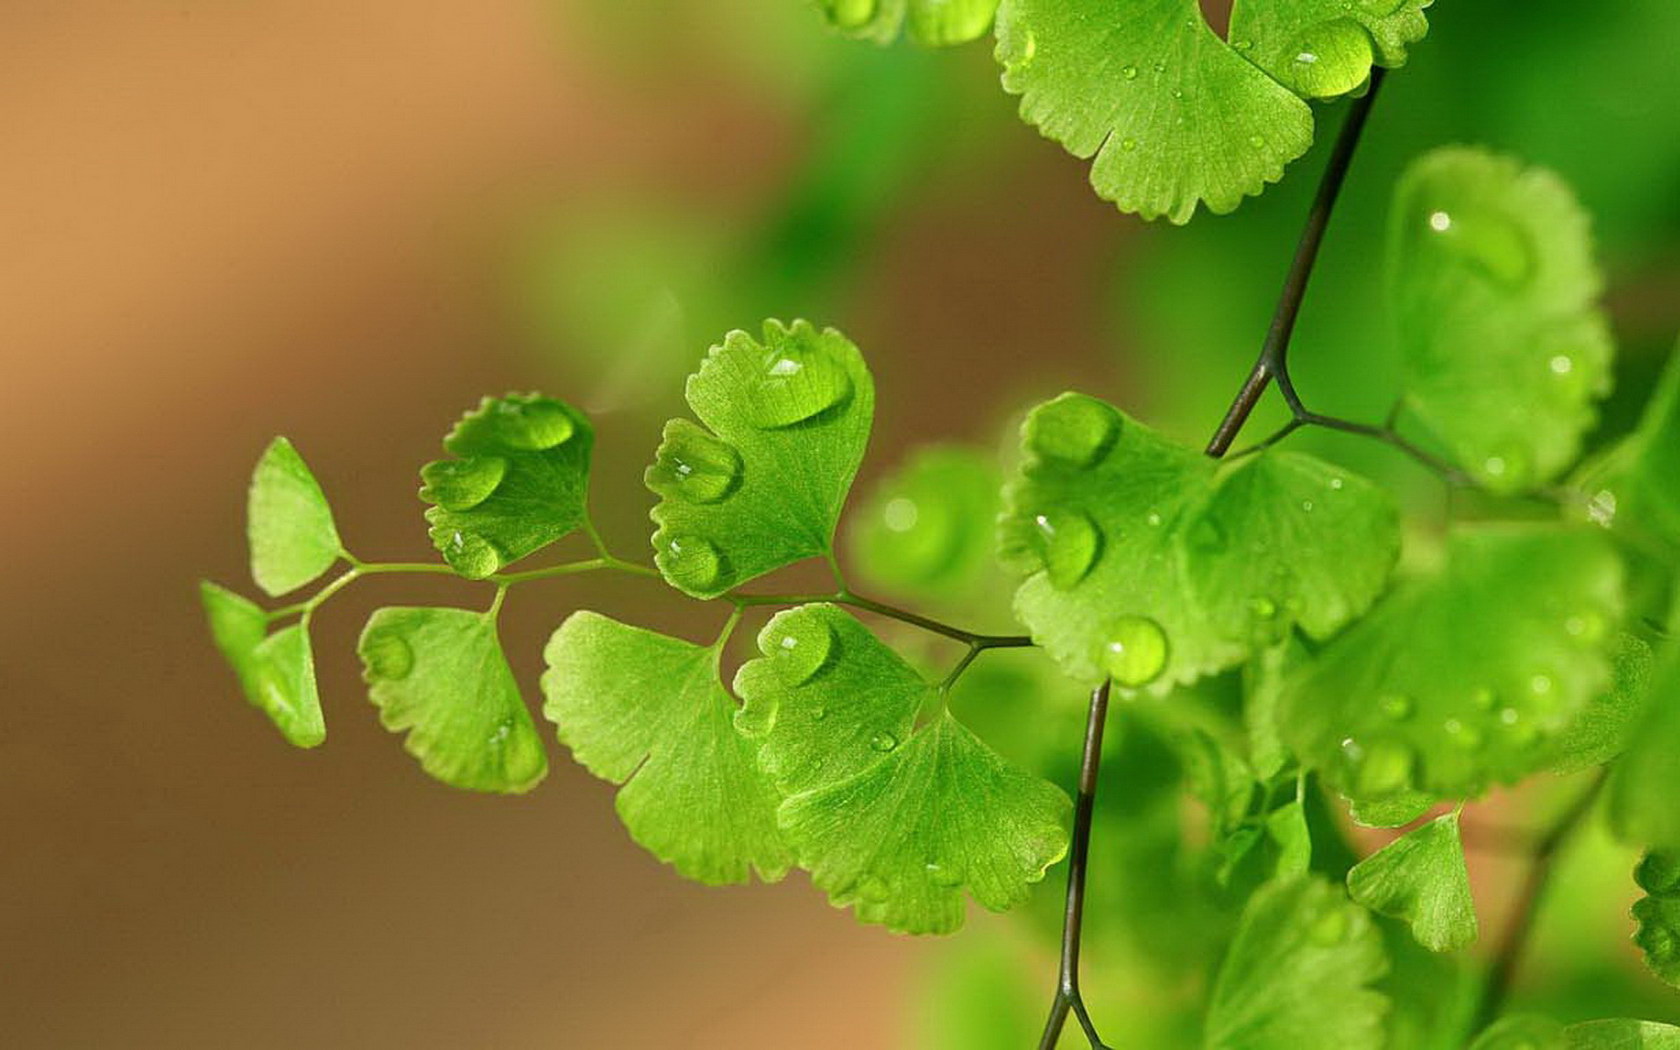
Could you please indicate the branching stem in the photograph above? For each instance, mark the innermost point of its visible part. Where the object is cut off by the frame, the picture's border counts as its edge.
(1273, 362)
(1271, 366)
(1068, 997)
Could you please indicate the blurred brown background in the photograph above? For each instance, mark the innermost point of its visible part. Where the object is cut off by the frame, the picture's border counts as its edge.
(223, 221)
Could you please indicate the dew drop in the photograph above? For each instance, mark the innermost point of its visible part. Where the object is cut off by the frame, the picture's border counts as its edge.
(1307, 58)
(1383, 768)
(1307, 505)
(471, 555)
(533, 424)
(900, 514)
(1495, 466)
(1561, 364)
(1540, 684)
(1397, 707)
(1243, 45)
(883, 742)
(1178, 93)
(944, 874)
(1257, 141)
(692, 563)
(796, 381)
(1074, 430)
(1129, 72)
(819, 713)
(1262, 608)
(1068, 542)
(387, 655)
(1128, 144)
(695, 465)
(1136, 651)
(1586, 628)
(1154, 520)
(853, 14)
(462, 484)
(1510, 716)
(1487, 241)
(1462, 735)
(1160, 67)
(802, 644)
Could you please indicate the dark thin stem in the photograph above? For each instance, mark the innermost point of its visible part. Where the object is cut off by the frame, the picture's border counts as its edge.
(1068, 997)
(1389, 436)
(1273, 362)
(928, 623)
(1506, 958)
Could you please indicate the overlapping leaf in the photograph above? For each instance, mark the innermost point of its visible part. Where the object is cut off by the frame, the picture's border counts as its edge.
(1606, 726)
(1325, 48)
(1133, 544)
(1633, 487)
(1421, 878)
(439, 675)
(1644, 805)
(276, 671)
(1298, 975)
(1495, 295)
(1621, 1034)
(647, 711)
(789, 416)
(290, 526)
(1658, 914)
(1533, 1032)
(1462, 677)
(518, 482)
(934, 23)
(1171, 114)
(893, 806)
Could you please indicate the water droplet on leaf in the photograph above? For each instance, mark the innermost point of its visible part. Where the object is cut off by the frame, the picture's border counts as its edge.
(883, 742)
(1068, 543)
(692, 562)
(801, 647)
(462, 484)
(1382, 769)
(695, 465)
(795, 383)
(1136, 651)
(1397, 708)
(944, 874)
(1074, 430)
(472, 556)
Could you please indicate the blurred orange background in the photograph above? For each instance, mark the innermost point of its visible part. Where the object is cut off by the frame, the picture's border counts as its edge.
(225, 221)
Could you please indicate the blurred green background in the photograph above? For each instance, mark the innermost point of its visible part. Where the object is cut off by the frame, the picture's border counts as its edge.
(344, 222)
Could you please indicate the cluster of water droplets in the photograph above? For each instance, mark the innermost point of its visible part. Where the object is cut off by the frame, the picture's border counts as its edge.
(1381, 762)
(788, 385)
(486, 442)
